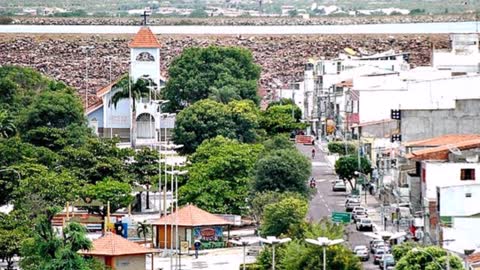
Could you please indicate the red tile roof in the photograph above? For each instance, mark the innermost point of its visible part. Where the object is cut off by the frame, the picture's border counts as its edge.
(190, 216)
(474, 258)
(107, 88)
(442, 140)
(144, 39)
(114, 245)
(346, 83)
(441, 152)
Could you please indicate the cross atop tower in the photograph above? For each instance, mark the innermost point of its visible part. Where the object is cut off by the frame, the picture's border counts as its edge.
(145, 15)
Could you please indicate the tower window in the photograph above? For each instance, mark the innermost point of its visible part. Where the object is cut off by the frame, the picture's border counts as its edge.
(145, 57)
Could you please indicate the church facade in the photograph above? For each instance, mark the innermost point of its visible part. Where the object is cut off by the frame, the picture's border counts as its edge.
(152, 126)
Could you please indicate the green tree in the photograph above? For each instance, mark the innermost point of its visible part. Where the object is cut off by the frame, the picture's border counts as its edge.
(279, 218)
(143, 228)
(283, 170)
(298, 254)
(280, 119)
(207, 119)
(13, 231)
(197, 72)
(7, 127)
(116, 193)
(145, 169)
(342, 148)
(260, 200)
(129, 89)
(278, 142)
(46, 251)
(346, 166)
(220, 175)
(428, 258)
(42, 189)
(96, 160)
(401, 250)
(198, 13)
(55, 109)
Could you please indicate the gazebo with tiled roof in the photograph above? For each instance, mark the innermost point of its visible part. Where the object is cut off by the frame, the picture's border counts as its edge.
(193, 223)
(118, 253)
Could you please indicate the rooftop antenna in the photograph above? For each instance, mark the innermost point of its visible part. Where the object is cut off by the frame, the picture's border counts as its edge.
(454, 150)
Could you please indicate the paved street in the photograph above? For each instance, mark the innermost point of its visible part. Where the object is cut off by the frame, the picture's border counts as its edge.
(326, 201)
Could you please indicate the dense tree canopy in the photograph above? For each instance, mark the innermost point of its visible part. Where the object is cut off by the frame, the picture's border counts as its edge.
(346, 166)
(200, 72)
(283, 170)
(207, 119)
(279, 218)
(428, 258)
(281, 118)
(220, 175)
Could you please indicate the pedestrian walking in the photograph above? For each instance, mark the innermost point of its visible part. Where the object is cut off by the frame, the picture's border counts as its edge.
(197, 245)
(313, 153)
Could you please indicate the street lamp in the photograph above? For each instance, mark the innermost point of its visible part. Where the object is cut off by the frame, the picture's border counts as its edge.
(176, 173)
(273, 240)
(324, 242)
(244, 243)
(416, 250)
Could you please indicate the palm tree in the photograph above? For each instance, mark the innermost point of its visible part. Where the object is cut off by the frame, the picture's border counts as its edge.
(224, 94)
(7, 127)
(134, 91)
(143, 229)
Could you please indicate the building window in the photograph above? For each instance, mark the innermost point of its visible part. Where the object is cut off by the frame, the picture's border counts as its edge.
(468, 195)
(467, 174)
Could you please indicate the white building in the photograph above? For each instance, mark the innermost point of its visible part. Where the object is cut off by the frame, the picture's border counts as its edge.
(109, 120)
(450, 168)
(459, 206)
(463, 56)
(328, 85)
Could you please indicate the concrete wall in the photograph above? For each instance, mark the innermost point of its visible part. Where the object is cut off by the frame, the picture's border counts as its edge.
(423, 124)
(380, 94)
(132, 262)
(379, 130)
(465, 232)
(460, 200)
(442, 174)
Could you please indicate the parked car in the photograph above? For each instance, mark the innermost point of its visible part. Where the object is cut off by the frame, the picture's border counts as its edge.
(351, 204)
(339, 186)
(380, 246)
(378, 255)
(359, 247)
(363, 254)
(365, 224)
(387, 259)
(373, 242)
(359, 213)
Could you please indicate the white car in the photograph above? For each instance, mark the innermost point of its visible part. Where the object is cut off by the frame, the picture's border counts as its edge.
(339, 186)
(358, 214)
(365, 224)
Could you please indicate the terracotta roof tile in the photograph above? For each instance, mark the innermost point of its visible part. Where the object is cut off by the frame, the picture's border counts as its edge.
(144, 39)
(107, 88)
(474, 258)
(442, 140)
(441, 152)
(114, 245)
(190, 216)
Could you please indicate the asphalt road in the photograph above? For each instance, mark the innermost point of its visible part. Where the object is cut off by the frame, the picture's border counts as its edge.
(326, 201)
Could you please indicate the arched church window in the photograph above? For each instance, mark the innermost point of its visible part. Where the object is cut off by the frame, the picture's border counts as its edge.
(145, 57)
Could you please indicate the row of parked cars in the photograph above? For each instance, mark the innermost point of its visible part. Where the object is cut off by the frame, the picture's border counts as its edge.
(381, 254)
(359, 213)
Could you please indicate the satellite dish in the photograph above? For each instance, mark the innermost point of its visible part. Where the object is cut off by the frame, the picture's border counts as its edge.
(454, 150)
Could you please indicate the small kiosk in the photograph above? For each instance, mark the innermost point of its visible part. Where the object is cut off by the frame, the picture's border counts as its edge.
(193, 224)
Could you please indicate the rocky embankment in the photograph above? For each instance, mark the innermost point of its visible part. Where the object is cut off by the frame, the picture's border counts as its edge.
(347, 20)
(282, 58)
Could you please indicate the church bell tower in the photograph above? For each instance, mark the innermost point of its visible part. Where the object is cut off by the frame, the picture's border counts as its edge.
(145, 56)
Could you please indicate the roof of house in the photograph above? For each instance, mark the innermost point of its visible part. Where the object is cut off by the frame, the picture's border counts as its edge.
(107, 88)
(345, 83)
(474, 258)
(442, 140)
(144, 39)
(189, 216)
(373, 123)
(441, 152)
(114, 245)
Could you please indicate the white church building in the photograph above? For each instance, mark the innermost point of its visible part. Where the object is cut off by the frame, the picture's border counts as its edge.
(152, 126)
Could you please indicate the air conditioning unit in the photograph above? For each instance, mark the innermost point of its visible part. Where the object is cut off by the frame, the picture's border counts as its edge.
(472, 159)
